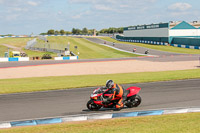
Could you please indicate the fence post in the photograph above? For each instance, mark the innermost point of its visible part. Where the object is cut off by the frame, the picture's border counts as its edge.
(199, 61)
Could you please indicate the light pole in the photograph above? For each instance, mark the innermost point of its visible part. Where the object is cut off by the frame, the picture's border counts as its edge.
(8, 53)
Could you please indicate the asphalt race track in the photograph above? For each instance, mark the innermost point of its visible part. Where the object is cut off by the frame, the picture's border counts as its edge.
(156, 95)
(130, 47)
(163, 58)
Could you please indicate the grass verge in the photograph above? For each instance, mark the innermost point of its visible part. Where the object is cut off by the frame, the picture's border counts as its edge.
(65, 82)
(17, 42)
(3, 49)
(157, 47)
(174, 123)
(31, 53)
(20, 43)
(87, 49)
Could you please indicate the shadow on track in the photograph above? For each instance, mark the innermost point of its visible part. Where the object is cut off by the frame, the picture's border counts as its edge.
(105, 109)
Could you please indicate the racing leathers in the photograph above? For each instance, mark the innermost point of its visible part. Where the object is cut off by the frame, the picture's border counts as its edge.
(117, 92)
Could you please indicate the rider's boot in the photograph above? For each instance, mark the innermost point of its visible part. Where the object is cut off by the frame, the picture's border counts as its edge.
(119, 107)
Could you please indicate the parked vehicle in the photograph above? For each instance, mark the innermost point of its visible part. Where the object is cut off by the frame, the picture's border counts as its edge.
(15, 54)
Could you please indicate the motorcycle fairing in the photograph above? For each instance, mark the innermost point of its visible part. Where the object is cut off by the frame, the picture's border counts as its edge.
(133, 90)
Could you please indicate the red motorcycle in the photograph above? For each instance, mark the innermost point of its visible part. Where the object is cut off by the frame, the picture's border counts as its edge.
(96, 99)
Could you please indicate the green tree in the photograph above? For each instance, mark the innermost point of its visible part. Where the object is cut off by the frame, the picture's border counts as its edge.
(68, 32)
(74, 31)
(120, 30)
(103, 31)
(43, 33)
(112, 30)
(91, 31)
(57, 32)
(62, 32)
(85, 31)
(78, 31)
(51, 32)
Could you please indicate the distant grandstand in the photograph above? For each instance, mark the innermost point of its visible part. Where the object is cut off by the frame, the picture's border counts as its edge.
(179, 32)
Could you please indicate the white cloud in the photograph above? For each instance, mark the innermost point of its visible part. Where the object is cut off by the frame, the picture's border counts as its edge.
(176, 14)
(18, 9)
(19, 3)
(59, 13)
(11, 17)
(102, 7)
(124, 6)
(32, 3)
(79, 1)
(117, 6)
(180, 6)
(1, 1)
(13, 3)
(76, 16)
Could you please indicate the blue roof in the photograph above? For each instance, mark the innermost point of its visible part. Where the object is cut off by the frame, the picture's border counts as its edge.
(183, 25)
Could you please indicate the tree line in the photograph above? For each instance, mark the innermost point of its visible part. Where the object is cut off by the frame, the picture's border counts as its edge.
(84, 31)
(112, 30)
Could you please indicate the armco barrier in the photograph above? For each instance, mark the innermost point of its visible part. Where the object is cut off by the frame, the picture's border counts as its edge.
(14, 59)
(66, 58)
(84, 117)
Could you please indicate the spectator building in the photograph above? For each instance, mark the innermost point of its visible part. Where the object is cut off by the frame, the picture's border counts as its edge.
(180, 34)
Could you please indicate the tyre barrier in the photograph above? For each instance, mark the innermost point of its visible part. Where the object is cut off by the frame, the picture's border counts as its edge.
(84, 117)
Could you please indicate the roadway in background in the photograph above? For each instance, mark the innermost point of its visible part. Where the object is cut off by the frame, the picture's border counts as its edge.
(130, 47)
(170, 58)
(161, 58)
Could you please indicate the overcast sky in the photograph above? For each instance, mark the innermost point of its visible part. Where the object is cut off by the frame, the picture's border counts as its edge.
(37, 16)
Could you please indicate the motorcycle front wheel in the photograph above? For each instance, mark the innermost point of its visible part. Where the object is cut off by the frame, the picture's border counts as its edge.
(92, 106)
(134, 101)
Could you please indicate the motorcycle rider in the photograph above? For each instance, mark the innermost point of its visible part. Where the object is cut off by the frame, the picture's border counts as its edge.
(116, 91)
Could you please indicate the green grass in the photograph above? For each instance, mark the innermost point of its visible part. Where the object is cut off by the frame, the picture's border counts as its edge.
(157, 47)
(17, 42)
(65, 82)
(31, 53)
(87, 49)
(20, 43)
(174, 123)
(3, 49)
(54, 42)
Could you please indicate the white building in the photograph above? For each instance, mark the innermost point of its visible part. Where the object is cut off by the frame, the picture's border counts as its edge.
(164, 33)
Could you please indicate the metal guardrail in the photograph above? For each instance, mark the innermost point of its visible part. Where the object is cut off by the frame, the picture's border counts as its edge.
(46, 50)
(31, 43)
(31, 46)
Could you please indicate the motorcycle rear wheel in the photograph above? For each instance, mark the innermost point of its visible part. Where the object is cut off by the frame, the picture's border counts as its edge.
(134, 101)
(92, 106)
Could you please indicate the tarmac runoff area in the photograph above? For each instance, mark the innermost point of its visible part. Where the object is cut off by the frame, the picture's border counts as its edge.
(101, 67)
